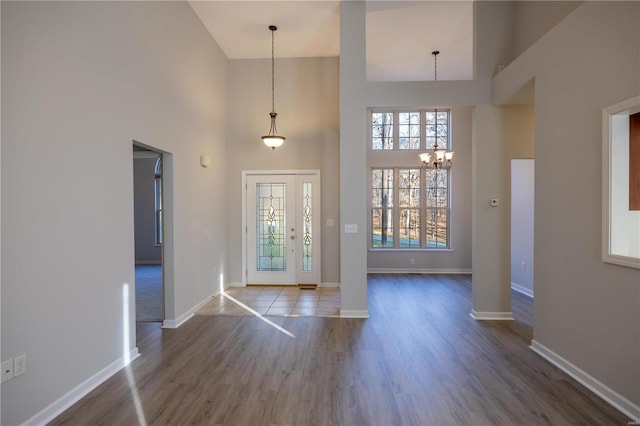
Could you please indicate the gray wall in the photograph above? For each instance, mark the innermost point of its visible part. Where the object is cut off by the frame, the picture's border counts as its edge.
(585, 311)
(533, 19)
(306, 100)
(146, 251)
(490, 236)
(80, 82)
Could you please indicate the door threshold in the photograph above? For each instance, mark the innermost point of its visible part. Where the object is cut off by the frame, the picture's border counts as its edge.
(307, 286)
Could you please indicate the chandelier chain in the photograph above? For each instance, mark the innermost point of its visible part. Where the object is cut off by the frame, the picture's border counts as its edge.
(435, 66)
(435, 76)
(438, 158)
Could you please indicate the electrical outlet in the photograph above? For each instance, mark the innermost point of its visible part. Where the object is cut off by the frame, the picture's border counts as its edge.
(7, 370)
(19, 365)
(413, 261)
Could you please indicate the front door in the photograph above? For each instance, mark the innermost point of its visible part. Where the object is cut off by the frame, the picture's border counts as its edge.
(283, 228)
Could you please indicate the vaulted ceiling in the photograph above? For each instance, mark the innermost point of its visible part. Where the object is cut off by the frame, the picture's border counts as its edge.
(400, 34)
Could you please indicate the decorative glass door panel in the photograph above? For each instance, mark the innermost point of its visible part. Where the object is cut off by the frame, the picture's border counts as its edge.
(271, 226)
(307, 228)
(282, 219)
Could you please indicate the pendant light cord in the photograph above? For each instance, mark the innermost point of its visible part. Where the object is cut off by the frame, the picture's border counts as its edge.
(273, 102)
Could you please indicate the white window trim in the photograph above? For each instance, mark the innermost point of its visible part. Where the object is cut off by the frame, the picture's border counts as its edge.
(627, 107)
(377, 160)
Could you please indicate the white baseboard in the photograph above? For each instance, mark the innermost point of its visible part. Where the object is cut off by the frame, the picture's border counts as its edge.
(354, 313)
(491, 316)
(187, 315)
(522, 289)
(75, 394)
(612, 397)
(236, 284)
(417, 271)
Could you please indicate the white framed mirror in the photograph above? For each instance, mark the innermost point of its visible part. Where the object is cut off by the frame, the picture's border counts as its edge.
(620, 219)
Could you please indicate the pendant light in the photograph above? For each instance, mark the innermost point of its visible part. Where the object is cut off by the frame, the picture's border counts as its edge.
(273, 140)
(438, 158)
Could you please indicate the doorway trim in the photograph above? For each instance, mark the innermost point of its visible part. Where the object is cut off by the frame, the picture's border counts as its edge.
(168, 290)
(244, 228)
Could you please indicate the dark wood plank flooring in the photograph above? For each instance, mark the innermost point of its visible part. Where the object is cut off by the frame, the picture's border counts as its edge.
(419, 360)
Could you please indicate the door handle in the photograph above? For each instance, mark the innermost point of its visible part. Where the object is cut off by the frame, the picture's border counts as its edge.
(293, 237)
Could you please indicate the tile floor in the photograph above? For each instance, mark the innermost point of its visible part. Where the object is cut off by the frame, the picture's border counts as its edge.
(275, 301)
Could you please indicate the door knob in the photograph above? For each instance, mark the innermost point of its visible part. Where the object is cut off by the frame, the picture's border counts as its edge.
(293, 237)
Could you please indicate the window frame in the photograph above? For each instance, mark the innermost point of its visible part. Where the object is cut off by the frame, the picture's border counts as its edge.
(158, 229)
(609, 207)
(406, 159)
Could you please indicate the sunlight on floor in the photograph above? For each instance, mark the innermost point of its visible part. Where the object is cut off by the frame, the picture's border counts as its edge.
(126, 323)
(275, 301)
(259, 315)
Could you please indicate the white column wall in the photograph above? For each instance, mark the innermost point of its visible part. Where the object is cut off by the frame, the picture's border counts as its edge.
(490, 241)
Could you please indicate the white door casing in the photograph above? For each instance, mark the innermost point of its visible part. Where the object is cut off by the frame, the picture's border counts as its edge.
(281, 227)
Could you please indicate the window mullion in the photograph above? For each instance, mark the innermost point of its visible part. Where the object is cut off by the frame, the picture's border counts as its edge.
(423, 211)
(396, 130)
(396, 207)
(423, 133)
(449, 195)
(423, 182)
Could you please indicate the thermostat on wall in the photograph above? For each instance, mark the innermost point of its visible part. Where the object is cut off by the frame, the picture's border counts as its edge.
(205, 160)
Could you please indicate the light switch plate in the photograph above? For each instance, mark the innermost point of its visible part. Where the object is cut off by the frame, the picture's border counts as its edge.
(19, 365)
(351, 228)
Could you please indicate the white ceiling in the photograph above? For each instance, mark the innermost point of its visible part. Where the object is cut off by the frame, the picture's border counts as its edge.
(400, 34)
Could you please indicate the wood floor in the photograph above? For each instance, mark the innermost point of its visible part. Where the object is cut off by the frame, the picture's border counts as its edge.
(419, 360)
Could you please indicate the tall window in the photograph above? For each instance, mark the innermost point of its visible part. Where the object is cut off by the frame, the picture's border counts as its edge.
(382, 183)
(157, 184)
(410, 207)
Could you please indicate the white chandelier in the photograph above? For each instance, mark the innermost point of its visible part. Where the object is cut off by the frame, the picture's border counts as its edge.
(438, 158)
